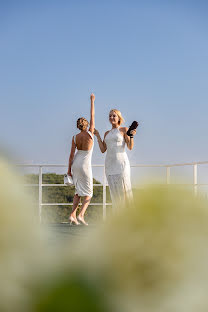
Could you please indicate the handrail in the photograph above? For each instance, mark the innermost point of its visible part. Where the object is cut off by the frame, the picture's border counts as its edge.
(135, 165)
(168, 167)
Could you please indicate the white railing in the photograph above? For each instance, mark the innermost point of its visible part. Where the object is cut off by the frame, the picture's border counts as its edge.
(167, 168)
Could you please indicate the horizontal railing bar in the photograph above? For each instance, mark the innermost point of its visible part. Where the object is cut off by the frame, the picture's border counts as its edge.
(30, 184)
(135, 165)
(188, 184)
(54, 184)
(49, 165)
(142, 165)
(65, 185)
(161, 184)
(70, 204)
(171, 165)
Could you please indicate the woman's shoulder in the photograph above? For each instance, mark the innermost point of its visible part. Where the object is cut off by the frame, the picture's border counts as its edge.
(90, 133)
(106, 133)
(123, 129)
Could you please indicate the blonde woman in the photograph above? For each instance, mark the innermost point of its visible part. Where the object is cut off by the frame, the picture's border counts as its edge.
(80, 165)
(117, 167)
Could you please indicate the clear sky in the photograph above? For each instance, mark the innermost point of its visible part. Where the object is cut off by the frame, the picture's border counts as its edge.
(145, 58)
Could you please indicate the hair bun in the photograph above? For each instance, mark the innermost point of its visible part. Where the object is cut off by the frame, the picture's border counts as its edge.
(82, 123)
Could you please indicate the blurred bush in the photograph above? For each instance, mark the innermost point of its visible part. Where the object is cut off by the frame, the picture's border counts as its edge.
(151, 256)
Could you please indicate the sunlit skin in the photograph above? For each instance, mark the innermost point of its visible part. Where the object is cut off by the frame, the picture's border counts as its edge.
(114, 120)
(83, 142)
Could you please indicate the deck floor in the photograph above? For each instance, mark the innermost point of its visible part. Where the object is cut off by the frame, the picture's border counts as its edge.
(63, 232)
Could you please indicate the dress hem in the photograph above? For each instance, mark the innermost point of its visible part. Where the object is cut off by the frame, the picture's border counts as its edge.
(82, 195)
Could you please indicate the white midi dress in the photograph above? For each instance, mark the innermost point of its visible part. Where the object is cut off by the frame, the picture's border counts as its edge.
(82, 171)
(117, 168)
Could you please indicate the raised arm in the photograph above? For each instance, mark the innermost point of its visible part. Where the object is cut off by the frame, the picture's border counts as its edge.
(92, 113)
(71, 157)
(101, 143)
(129, 140)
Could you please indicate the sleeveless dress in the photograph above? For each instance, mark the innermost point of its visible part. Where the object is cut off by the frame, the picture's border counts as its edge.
(117, 168)
(82, 171)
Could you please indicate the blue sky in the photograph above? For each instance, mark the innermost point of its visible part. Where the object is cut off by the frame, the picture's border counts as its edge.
(145, 58)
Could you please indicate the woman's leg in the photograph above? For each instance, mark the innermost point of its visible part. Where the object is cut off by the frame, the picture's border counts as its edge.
(85, 204)
(75, 205)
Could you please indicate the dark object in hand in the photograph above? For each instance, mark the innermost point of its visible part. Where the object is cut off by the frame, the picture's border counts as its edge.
(133, 126)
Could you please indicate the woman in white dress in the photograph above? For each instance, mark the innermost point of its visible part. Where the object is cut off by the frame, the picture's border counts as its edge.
(80, 165)
(117, 167)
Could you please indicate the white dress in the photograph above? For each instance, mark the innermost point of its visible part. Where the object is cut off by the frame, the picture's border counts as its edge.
(117, 168)
(82, 171)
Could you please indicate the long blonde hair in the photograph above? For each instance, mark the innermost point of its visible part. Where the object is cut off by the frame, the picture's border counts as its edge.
(121, 119)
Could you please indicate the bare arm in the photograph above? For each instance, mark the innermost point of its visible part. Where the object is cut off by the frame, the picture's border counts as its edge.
(129, 141)
(101, 143)
(71, 157)
(92, 114)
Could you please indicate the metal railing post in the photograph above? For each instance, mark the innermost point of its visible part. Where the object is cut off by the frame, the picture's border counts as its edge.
(40, 193)
(104, 194)
(167, 175)
(195, 179)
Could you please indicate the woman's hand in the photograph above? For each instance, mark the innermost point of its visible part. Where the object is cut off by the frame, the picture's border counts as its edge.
(92, 97)
(129, 139)
(101, 143)
(96, 133)
(133, 132)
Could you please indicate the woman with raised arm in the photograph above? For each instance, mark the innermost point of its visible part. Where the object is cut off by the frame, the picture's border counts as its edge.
(117, 167)
(80, 164)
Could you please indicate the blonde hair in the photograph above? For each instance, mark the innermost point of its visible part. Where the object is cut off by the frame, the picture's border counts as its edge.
(82, 123)
(121, 119)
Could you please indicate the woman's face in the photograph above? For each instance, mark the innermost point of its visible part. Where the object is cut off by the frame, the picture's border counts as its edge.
(113, 118)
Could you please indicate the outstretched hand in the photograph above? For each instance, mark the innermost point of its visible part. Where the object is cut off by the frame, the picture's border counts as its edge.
(92, 97)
